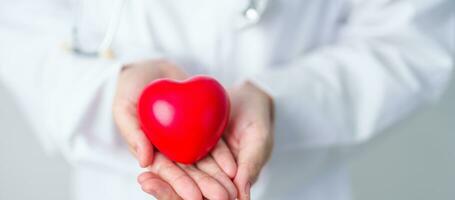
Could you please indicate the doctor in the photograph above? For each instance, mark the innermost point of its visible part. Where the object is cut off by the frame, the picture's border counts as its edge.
(312, 78)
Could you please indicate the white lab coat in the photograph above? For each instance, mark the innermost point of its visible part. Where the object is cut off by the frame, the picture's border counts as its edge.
(340, 71)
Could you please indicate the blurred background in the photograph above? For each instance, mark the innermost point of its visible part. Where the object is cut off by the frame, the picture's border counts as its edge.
(414, 160)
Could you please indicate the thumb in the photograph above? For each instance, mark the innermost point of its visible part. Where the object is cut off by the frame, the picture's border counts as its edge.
(243, 182)
(250, 163)
(130, 130)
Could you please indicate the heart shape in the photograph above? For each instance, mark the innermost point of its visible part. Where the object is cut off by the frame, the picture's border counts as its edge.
(184, 120)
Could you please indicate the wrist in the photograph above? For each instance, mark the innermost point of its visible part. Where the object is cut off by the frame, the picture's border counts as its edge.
(169, 69)
(265, 97)
(261, 92)
(160, 68)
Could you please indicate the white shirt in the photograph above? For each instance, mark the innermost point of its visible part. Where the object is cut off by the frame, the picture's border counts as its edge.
(340, 72)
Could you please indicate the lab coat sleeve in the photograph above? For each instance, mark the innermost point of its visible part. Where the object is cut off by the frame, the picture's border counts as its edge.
(67, 99)
(389, 58)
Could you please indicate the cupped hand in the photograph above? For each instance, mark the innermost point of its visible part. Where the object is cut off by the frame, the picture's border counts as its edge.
(250, 140)
(250, 134)
(209, 178)
(131, 81)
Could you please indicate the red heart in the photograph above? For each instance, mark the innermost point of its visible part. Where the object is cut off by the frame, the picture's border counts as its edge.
(184, 120)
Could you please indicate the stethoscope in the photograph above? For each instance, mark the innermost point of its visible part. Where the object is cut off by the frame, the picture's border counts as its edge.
(251, 13)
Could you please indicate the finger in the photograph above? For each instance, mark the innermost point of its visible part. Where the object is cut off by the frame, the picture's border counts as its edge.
(144, 176)
(210, 188)
(183, 185)
(243, 183)
(223, 156)
(127, 123)
(251, 159)
(155, 186)
(209, 166)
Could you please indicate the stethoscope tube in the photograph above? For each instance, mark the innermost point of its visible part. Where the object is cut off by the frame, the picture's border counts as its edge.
(104, 50)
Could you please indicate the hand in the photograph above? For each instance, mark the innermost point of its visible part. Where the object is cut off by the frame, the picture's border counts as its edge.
(250, 134)
(209, 178)
(250, 139)
(131, 81)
